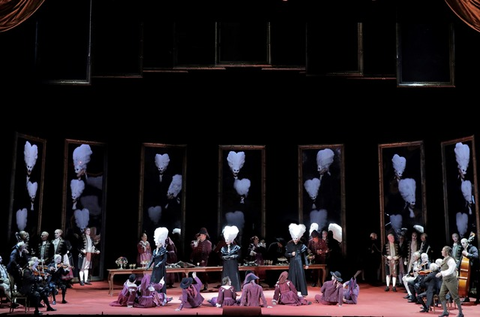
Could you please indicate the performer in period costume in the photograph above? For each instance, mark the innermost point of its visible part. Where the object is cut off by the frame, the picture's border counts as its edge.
(230, 253)
(128, 294)
(227, 296)
(159, 259)
(391, 255)
(296, 251)
(331, 292)
(285, 293)
(144, 251)
(85, 254)
(191, 296)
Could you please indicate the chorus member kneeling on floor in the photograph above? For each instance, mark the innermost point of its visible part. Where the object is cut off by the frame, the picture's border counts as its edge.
(331, 292)
(128, 294)
(350, 291)
(285, 293)
(191, 296)
(227, 296)
(448, 274)
(57, 270)
(252, 293)
(150, 295)
(34, 286)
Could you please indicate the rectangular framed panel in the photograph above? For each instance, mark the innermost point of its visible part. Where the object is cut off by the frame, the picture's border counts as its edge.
(26, 186)
(459, 166)
(241, 190)
(84, 197)
(162, 197)
(321, 186)
(402, 187)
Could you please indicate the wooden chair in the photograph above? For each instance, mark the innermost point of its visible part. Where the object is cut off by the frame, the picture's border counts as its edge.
(18, 296)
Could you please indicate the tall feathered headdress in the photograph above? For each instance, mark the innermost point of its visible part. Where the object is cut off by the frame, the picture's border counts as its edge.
(313, 226)
(296, 231)
(407, 187)
(462, 155)
(399, 163)
(235, 161)
(324, 160)
(230, 233)
(336, 230)
(160, 235)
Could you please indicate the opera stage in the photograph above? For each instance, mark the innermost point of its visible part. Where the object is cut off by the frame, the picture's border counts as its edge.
(373, 301)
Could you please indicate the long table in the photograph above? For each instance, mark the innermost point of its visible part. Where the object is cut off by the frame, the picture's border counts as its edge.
(187, 270)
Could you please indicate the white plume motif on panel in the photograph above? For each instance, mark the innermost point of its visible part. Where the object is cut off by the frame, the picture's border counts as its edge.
(91, 203)
(81, 158)
(32, 192)
(235, 162)
(175, 187)
(462, 155)
(462, 223)
(236, 218)
(155, 213)
(407, 187)
(399, 163)
(467, 194)
(161, 162)
(22, 215)
(95, 181)
(82, 217)
(396, 221)
(30, 155)
(77, 187)
(296, 230)
(312, 186)
(319, 217)
(324, 160)
(242, 187)
(313, 226)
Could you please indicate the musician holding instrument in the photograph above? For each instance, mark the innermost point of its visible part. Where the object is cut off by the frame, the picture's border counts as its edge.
(448, 273)
(33, 286)
(471, 253)
(57, 270)
(391, 254)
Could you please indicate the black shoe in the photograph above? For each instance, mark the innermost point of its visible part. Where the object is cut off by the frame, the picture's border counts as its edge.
(407, 296)
(88, 283)
(387, 289)
(41, 305)
(466, 300)
(394, 289)
(82, 283)
(51, 308)
(37, 313)
(460, 315)
(443, 315)
(423, 310)
(64, 302)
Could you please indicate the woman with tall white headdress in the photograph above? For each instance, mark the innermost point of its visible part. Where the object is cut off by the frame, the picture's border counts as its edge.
(296, 251)
(230, 252)
(159, 259)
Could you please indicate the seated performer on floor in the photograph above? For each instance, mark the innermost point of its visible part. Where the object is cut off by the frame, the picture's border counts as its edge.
(149, 294)
(227, 295)
(191, 296)
(128, 294)
(331, 292)
(285, 292)
(350, 291)
(252, 293)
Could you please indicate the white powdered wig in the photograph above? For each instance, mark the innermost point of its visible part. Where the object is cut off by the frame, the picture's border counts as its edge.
(30, 155)
(324, 160)
(296, 230)
(155, 213)
(230, 233)
(418, 228)
(235, 161)
(175, 186)
(336, 230)
(22, 215)
(399, 163)
(313, 226)
(462, 155)
(81, 158)
(161, 162)
(160, 235)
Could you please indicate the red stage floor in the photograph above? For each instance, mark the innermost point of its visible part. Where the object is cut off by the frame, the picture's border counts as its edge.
(373, 301)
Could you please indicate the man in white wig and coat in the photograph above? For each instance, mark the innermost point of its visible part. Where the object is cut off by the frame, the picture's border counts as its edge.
(296, 252)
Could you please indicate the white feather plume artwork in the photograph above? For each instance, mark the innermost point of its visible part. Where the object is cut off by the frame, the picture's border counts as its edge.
(324, 160)
(22, 217)
(337, 231)
(312, 186)
(82, 217)
(236, 218)
(77, 186)
(92, 204)
(30, 155)
(467, 194)
(419, 228)
(236, 160)
(407, 188)
(155, 213)
(462, 156)
(313, 226)
(95, 181)
(32, 192)
(242, 186)
(81, 157)
(319, 217)
(161, 162)
(399, 163)
(175, 188)
(462, 223)
(396, 222)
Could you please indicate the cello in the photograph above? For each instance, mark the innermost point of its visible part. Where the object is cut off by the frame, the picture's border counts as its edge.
(464, 273)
